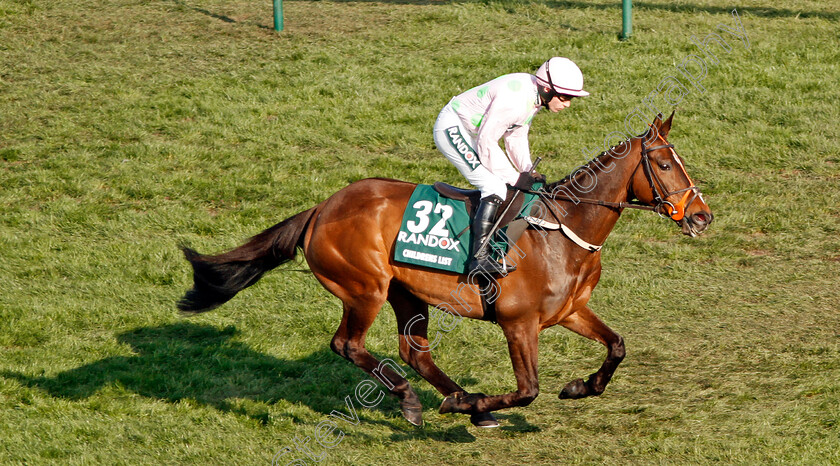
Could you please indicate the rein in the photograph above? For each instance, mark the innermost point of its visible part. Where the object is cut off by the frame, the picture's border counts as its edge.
(614, 205)
(661, 205)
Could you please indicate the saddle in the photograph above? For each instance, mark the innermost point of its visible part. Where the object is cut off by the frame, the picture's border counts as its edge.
(472, 197)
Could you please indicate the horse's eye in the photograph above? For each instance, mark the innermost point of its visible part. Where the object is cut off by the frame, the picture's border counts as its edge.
(665, 166)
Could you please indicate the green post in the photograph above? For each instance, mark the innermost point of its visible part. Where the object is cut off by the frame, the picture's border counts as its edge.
(626, 19)
(278, 15)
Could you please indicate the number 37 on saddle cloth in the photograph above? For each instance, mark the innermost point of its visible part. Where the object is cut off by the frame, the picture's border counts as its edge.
(435, 229)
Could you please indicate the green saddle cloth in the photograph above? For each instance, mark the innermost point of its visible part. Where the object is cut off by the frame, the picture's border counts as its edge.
(435, 231)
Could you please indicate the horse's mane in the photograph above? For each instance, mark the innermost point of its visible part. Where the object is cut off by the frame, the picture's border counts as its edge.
(579, 170)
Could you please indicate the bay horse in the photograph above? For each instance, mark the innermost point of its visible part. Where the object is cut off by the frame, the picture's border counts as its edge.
(348, 242)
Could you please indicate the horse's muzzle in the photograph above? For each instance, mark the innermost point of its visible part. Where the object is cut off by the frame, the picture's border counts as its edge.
(696, 223)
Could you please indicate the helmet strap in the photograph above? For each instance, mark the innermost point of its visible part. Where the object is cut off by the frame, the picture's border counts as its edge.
(547, 92)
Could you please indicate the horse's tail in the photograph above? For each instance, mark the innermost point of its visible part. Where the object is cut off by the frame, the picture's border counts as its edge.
(218, 278)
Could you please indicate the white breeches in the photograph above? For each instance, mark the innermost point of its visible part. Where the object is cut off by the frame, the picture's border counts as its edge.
(458, 146)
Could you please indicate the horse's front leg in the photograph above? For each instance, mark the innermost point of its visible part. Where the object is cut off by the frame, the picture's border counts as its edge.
(523, 346)
(584, 322)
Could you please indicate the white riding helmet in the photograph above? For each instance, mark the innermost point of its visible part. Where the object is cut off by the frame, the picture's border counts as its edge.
(562, 76)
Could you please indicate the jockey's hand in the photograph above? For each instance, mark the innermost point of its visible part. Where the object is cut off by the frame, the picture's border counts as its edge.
(527, 179)
(538, 177)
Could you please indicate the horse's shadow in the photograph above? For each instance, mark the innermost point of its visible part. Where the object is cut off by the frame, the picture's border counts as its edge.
(185, 361)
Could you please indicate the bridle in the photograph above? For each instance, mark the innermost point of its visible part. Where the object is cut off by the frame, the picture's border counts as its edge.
(662, 205)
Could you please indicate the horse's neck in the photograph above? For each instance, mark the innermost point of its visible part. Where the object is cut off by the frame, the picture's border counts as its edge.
(612, 176)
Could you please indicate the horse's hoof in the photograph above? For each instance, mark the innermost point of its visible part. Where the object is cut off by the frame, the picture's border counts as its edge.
(573, 390)
(461, 402)
(413, 414)
(450, 403)
(484, 420)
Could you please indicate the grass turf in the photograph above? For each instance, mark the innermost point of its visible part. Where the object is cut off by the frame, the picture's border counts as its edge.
(129, 127)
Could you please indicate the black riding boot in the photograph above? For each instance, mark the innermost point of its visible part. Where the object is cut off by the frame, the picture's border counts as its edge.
(482, 226)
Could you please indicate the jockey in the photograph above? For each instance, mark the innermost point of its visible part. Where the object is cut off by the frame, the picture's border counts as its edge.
(469, 127)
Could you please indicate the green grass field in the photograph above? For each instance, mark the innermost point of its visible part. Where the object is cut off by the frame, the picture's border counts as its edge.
(129, 127)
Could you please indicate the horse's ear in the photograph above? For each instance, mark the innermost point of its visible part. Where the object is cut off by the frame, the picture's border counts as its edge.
(651, 133)
(657, 122)
(666, 125)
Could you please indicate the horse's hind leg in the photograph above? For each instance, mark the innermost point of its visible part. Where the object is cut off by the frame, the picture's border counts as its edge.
(412, 322)
(349, 342)
(584, 322)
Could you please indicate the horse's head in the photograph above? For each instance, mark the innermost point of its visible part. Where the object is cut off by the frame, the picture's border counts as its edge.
(662, 181)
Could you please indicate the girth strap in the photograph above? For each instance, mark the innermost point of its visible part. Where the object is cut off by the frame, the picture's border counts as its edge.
(546, 225)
